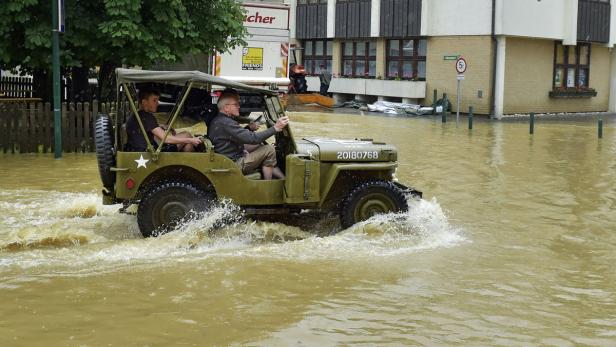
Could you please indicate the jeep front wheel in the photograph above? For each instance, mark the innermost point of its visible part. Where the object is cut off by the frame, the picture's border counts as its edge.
(164, 207)
(371, 198)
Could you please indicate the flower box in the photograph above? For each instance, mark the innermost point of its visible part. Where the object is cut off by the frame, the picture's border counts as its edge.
(575, 93)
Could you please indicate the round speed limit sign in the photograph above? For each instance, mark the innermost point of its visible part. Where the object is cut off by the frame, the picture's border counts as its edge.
(461, 65)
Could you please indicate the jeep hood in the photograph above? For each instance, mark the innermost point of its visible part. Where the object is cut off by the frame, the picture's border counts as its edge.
(338, 150)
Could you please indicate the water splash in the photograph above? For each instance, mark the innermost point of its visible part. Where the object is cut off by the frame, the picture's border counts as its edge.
(42, 219)
(425, 226)
(49, 232)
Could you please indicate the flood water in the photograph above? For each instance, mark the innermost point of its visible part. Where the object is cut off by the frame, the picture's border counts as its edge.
(514, 244)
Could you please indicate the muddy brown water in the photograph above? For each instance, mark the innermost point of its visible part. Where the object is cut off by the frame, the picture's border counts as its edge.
(513, 245)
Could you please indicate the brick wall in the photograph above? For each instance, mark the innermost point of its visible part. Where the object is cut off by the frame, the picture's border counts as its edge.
(441, 74)
(528, 79)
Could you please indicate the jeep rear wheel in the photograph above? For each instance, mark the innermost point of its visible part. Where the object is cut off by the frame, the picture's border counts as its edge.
(103, 142)
(170, 203)
(371, 198)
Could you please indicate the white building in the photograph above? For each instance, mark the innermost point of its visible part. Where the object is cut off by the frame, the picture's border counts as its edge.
(522, 55)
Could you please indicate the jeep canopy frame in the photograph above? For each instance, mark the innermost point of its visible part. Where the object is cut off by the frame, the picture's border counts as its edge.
(180, 78)
(189, 79)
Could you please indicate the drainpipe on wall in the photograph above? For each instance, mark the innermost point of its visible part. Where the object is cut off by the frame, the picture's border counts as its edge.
(612, 50)
(331, 19)
(612, 97)
(494, 60)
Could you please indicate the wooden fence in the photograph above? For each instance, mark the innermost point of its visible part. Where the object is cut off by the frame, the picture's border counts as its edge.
(23, 88)
(28, 127)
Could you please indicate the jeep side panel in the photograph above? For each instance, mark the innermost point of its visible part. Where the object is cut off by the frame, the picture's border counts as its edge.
(302, 179)
(217, 170)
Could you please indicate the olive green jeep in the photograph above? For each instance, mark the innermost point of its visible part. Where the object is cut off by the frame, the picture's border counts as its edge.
(354, 178)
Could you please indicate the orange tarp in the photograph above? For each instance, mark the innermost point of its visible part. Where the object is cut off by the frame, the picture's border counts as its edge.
(314, 98)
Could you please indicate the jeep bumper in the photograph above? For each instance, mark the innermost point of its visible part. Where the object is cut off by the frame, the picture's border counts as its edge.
(409, 190)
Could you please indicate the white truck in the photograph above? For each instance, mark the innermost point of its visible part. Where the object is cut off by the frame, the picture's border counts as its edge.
(264, 61)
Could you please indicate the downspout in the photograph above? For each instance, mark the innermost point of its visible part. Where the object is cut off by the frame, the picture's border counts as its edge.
(494, 58)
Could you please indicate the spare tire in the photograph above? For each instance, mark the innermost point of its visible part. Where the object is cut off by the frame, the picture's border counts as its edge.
(103, 142)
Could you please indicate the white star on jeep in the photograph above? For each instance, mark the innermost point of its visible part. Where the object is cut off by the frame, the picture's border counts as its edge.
(141, 162)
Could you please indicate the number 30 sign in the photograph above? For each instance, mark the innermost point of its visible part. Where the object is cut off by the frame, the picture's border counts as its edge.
(461, 65)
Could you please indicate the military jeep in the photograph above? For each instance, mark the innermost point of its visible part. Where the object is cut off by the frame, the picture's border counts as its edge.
(354, 178)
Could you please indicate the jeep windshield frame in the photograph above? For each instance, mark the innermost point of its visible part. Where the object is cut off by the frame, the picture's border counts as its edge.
(285, 137)
(125, 78)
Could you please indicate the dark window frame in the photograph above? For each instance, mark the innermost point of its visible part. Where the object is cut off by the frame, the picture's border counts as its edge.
(566, 65)
(317, 60)
(415, 59)
(310, 2)
(366, 58)
(311, 19)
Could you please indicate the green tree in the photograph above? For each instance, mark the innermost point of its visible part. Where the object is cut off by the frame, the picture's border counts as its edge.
(112, 33)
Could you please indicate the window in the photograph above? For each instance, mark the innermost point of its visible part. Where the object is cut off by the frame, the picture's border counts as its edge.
(571, 66)
(406, 59)
(359, 58)
(315, 54)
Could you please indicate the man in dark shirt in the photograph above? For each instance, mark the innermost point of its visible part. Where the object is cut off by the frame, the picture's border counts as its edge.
(148, 103)
(325, 78)
(229, 138)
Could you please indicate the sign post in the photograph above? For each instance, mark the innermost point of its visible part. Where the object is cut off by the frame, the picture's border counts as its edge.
(57, 16)
(460, 69)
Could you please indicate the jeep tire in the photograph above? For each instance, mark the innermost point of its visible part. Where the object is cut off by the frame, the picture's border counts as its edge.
(103, 142)
(168, 204)
(371, 198)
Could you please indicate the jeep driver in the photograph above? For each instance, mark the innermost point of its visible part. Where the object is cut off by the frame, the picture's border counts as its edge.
(229, 138)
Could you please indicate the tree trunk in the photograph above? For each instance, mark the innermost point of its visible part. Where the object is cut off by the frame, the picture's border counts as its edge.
(42, 85)
(80, 87)
(106, 82)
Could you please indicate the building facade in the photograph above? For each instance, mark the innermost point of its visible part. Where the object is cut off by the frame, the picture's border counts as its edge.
(522, 55)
